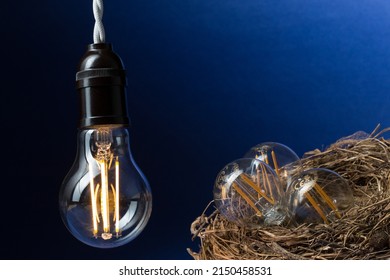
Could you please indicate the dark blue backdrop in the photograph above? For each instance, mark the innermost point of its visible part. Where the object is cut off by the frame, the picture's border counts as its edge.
(208, 80)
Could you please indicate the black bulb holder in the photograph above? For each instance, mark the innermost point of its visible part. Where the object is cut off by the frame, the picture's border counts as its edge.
(101, 83)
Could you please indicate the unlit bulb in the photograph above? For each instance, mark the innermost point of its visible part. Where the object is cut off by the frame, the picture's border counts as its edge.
(318, 195)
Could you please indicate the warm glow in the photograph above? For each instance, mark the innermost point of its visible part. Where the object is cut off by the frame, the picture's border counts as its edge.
(105, 194)
(117, 196)
(103, 189)
(93, 201)
(104, 197)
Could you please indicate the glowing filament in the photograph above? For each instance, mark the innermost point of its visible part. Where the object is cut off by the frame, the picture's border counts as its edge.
(93, 202)
(104, 197)
(104, 191)
(117, 196)
(107, 192)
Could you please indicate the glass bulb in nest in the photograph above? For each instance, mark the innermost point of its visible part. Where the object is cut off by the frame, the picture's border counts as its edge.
(318, 196)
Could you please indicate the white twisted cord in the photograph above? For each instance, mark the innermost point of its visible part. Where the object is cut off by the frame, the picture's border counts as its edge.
(99, 35)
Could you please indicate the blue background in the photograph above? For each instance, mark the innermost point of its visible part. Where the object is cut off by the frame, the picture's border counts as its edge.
(208, 79)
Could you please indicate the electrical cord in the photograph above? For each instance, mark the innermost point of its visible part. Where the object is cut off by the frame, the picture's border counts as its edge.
(99, 35)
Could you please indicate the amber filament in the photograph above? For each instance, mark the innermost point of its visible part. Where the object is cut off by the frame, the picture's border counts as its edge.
(246, 198)
(93, 202)
(321, 195)
(117, 196)
(266, 181)
(104, 198)
(316, 207)
(102, 216)
(258, 176)
(249, 182)
(276, 166)
(327, 199)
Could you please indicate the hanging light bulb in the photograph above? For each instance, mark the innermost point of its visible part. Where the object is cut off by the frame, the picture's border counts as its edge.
(105, 200)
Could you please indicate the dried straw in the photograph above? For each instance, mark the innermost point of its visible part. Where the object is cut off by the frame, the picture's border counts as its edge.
(362, 233)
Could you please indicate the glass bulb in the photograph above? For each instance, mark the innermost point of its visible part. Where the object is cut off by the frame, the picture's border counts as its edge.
(105, 200)
(246, 191)
(318, 196)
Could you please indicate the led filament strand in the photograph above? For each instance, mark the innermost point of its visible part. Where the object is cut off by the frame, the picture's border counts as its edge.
(244, 180)
(95, 216)
(104, 158)
(117, 196)
(275, 162)
(264, 156)
(315, 198)
(257, 187)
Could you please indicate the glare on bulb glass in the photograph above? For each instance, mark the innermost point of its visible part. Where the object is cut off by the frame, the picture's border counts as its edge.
(318, 196)
(246, 192)
(105, 200)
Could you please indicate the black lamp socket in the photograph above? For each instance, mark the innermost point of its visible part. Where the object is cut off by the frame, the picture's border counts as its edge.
(101, 82)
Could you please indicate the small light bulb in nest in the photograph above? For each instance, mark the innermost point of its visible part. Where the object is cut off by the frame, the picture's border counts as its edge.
(318, 195)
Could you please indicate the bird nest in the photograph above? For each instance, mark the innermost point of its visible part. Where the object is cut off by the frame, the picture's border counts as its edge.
(362, 233)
